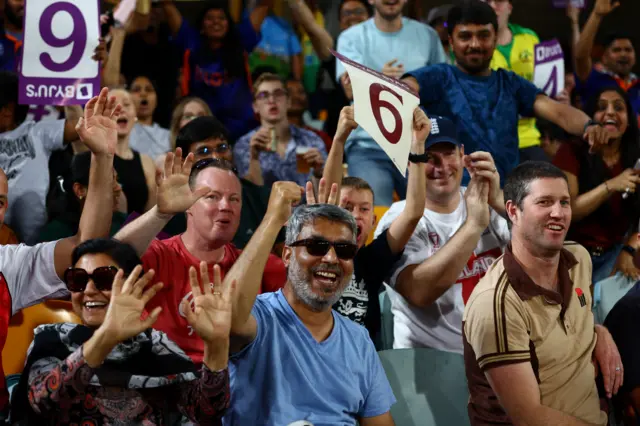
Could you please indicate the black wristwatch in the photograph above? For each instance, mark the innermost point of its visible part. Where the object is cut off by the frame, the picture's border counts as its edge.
(590, 123)
(418, 158)
(629, 250)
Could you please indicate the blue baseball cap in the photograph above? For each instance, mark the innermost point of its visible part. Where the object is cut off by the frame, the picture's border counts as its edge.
(442, 130)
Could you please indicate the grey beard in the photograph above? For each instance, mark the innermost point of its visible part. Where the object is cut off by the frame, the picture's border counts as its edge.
(302, 289)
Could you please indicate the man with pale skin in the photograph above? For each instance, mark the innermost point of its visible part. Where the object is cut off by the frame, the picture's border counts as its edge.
(391, 44)
(529, 335)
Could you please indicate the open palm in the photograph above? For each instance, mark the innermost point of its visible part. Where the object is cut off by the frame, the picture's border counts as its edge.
(128, 300)
(604, 7)
(210, 315)
(174, 193)
(97, 129)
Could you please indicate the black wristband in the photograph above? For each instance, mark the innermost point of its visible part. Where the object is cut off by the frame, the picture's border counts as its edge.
(590, 123)
(629, 250)
(418, 158)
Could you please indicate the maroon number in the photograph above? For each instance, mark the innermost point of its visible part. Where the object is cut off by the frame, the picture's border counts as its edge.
(376, 104)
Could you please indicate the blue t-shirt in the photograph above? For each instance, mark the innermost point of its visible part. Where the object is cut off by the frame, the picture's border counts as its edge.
(485, 109)
(598, 80)
(9, 54)
(229, 98)
(285, 375)
(414, 46)
(279, 43)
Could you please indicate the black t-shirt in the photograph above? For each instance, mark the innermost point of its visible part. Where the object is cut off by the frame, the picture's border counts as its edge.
(371, 266)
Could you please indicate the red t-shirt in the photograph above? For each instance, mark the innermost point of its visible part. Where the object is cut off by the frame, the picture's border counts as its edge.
(591, 231)
(171, 261)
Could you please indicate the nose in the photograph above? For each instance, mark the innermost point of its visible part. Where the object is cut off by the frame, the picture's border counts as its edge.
(610, 109)
(330, 256)
(557, 210)
(224, 204)
(475, 42)
(91, 288)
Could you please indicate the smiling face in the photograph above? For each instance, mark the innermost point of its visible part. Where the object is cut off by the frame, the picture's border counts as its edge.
(318, 281)
(215, 24)
(543, 221)
(473, 46)
(612, 113)
(620, 57)
(144, 97)
(444, 170)
(127, 118)
(388, 9)
(91, 304)
(351, 13)
(216, 216)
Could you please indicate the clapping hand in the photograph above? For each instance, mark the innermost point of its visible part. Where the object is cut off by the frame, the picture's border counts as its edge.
(174, 193)
(477, 201)
(128, 300)
(210, 315)
(97, 129)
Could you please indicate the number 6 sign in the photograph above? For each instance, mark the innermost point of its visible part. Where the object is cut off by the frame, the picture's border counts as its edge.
(59, 41)
(384, 108)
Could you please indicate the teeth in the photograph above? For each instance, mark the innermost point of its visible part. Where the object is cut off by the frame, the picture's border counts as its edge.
(555, 227)
(94, 304)
(327, 275)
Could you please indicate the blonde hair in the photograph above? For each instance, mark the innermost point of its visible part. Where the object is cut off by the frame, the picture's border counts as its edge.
(178, 111)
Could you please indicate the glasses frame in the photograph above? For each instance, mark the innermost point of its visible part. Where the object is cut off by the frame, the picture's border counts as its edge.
(337, 247)
(90, 276)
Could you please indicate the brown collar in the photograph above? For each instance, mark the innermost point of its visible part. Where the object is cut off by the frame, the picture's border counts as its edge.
(527, 289)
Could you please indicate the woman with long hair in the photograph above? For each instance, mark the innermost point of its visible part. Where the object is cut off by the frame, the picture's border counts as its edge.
(189, 108)
(147, 137)
(602, 184)
(215, 64)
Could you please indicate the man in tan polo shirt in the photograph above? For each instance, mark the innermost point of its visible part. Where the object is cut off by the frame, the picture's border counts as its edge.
(529, 334)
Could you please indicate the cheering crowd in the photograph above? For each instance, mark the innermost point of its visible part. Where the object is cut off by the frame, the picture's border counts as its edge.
(226, 233)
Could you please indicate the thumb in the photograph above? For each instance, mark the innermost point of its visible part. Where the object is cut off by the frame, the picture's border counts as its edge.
(81, 129)
(152, 318)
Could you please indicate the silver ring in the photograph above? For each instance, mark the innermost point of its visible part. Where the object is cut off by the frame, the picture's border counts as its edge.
(495, 170)
(618, 369)
(627, 189)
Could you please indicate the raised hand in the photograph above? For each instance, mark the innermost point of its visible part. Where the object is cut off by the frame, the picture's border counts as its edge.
(97, 129)
(480, 165)
(597, 137)
(174, 193)
(605, 7)
(323, 197)
(210, 316)
(421, 130)
(346, 124)
(128, 299)
(477, 200)
(391, 70)
(284, 195)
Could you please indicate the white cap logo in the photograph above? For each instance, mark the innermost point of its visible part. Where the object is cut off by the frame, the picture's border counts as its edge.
(434, 127)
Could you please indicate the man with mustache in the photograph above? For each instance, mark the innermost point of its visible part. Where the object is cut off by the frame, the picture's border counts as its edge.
(618, 59)
(295, 358)
(484, 104)
(530, 342)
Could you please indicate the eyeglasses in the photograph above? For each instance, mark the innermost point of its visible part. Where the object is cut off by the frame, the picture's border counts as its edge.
(359, 11)
(220, 163)
(208, 150)
(276, 94)
(320, 247)
(77, 278)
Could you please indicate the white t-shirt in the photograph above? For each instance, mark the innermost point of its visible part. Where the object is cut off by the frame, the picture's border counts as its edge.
(29, 274)
(24, 157)
(439, 326)
(150, 140)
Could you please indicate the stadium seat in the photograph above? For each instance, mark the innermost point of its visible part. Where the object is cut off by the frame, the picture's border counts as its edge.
(386, 330)
(430, 386)
(379, 211)
(21, 328)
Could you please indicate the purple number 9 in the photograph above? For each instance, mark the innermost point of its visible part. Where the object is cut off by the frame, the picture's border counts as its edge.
(78, 36)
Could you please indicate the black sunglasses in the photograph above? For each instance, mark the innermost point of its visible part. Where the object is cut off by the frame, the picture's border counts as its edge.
(220, 163)
(320, 247)
(77, 278)
(208, 150)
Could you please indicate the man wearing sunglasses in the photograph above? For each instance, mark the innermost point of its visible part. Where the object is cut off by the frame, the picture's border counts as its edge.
(269, 153)
(294, 357)
(456, 240)
(210, 193)
(29, 275)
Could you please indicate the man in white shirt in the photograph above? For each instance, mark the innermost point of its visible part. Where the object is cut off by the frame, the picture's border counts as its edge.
(460, 234)
(29, 275)
(393, 45)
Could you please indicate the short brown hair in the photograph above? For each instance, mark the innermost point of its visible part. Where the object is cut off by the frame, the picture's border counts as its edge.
(265, 77)
(358, 184)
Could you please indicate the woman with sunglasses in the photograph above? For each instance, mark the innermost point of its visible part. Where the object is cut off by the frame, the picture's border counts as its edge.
(114, 368)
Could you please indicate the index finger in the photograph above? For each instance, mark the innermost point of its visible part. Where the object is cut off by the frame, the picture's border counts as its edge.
(188, 164)
(168, 164)
(311, 197)
(391, 62)
(217, 279)
(333, 194)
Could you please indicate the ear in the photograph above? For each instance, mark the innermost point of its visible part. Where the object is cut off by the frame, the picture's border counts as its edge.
(375, 219)
(287, 252)
(511, 208)
(79, 190)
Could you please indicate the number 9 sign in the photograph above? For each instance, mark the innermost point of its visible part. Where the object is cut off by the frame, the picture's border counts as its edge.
(383, 107)
(59, 40)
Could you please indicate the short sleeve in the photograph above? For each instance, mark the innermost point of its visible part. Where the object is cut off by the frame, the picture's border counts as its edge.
(274, 276)
(432, 80)
(525, 94)
(248, 35)
(349, 46)
(29, 273)
(495, 327)
(379, 398)
(417, 250)
(187, 37)
(48, 133)
(566, 160)
(241, 155)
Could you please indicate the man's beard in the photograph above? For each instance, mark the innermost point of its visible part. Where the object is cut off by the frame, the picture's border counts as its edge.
(388, 16)
(301, 285)
(473, 69)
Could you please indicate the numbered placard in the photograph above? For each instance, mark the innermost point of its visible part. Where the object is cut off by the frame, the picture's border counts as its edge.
(548, 73)
(383, 107)
(59, 40)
